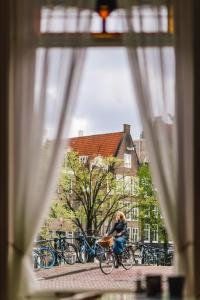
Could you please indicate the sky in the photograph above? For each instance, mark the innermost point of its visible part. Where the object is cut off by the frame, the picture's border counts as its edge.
(105, 100)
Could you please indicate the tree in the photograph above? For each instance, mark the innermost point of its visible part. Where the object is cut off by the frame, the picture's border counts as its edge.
(89, 192)
(148, 206)
(57, 211)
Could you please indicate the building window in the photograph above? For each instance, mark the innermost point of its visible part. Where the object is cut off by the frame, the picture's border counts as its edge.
(154, 232)
(155, 211)
(127, 160)
(98, 161)
(119, 184)
(83, 159)
(128, 184)
(147, 233)
(135, 212)
(135, 234)
(135, 184)
(127, 211)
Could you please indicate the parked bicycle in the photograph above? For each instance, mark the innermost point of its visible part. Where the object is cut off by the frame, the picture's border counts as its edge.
(87, 246)
(50, 255)
(150, 255)
(43, 257)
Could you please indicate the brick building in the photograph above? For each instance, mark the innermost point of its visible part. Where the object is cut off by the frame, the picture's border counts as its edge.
(119, 145)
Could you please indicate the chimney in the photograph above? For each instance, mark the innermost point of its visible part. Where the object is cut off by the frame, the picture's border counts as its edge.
(80, 133)
(127, 128)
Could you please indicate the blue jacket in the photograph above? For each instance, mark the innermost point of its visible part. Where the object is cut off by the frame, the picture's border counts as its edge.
(120, 227)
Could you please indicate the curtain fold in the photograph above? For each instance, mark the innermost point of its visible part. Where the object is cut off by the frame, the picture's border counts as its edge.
(167, 121)
(44, 84)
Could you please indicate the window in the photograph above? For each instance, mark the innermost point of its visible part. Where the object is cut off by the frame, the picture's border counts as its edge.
(147, 232)
(155, 234)
(155, 211)
(127, 160)
(135, 212)
(98, 161)
(133, 234)
(83, 159)
(119, 183)
(135, 183)
(128, 184)
(127, 210)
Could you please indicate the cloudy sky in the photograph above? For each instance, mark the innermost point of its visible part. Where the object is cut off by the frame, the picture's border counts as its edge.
(106, 100)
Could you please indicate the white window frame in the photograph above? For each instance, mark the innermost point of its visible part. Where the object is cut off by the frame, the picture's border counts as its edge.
(135, 182)
(154, 233)
(119, 183)
(135, 234)
(83, 158)
(147, 230)
(135, 213)
(127, 205)
(155, 211)
(127, 160)
(128, 184)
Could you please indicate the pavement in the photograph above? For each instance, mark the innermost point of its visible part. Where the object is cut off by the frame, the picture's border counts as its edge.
(89, 277)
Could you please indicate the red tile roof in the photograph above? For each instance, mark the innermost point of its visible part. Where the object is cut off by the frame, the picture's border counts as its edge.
(100, 144)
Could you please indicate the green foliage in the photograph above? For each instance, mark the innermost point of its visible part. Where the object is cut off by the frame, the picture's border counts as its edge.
(88, 191)
(149, 210)
(44, 230)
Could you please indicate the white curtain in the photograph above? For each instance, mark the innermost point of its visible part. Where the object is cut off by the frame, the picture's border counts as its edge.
(44, 82)
(167, 120)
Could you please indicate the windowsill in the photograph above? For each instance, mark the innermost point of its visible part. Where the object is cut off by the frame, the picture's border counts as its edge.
(86, 295)
(82, 294)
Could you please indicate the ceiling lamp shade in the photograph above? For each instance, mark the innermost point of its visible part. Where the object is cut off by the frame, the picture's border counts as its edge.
(104, 8)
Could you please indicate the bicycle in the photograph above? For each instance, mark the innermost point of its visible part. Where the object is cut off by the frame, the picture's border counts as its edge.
(63, 250)
(150, 255)
(110, 260)
(48, 256)
(85, 250)
(144, 254)
(43, 257)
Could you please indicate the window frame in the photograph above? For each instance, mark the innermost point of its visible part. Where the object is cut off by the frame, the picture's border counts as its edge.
(148, 230)
(127, 160)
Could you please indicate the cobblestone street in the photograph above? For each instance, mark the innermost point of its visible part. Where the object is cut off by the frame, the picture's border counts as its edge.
(89, 276)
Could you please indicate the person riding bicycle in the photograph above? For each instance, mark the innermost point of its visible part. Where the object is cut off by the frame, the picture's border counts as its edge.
(121, 233)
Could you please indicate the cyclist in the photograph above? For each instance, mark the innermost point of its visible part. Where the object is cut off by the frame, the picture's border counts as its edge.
(121, 234)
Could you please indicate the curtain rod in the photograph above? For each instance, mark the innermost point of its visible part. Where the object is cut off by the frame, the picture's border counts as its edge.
(78, 40)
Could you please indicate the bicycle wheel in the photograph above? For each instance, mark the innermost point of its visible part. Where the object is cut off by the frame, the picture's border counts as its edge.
(46, 258)
(70, 254)
(148, 258)
(107, 262)
(83, 254)
(127, 259)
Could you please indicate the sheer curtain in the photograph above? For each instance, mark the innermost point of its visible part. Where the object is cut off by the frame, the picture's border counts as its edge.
(44, 83)
(167, 120)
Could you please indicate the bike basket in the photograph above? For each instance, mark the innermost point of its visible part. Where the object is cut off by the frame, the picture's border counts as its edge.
(106, 241)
